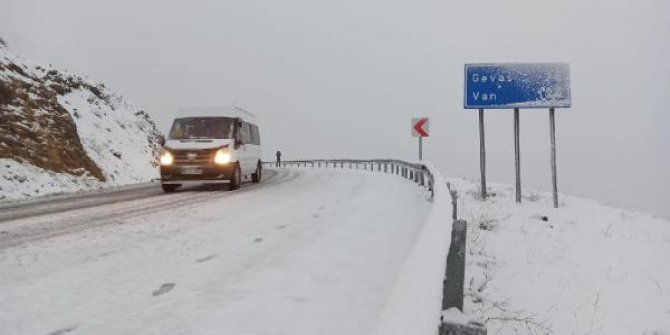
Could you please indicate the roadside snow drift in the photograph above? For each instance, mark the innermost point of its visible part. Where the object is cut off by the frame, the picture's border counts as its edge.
(415, 303)
(60, 132)
(580, 269)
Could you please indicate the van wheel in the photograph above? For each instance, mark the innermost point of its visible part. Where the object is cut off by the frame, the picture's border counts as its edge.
(256, 176)
(235, 179)
(169, 188)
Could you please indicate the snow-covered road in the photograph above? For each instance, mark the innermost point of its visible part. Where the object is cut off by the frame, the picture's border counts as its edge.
(305, 252)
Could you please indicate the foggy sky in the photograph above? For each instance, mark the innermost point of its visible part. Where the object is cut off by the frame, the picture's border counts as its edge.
(343, 78)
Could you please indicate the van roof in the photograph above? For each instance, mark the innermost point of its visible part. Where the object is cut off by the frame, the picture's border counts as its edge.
(232, 111)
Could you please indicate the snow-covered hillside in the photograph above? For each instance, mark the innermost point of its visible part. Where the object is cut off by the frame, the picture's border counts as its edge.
(581, 269)
(60, 132)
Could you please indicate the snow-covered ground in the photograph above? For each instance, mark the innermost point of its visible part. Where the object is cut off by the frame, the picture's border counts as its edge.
(581, 269)
(304, 252)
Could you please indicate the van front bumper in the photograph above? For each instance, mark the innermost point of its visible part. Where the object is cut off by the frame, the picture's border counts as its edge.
(183, 173)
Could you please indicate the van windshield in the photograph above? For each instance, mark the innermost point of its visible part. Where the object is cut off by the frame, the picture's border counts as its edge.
(202, 128)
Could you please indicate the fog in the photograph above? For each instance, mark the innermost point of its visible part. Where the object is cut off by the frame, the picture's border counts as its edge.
(343, 78)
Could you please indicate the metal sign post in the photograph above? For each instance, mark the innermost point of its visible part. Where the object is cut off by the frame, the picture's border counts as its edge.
(517, 155)
(517, 86)
(420, 130)
(420, 148)
(482, 153)
(552, 134)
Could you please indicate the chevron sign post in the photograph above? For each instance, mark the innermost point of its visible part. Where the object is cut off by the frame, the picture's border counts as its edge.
(420, 130)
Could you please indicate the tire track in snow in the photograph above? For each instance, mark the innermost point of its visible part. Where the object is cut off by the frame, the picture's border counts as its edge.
(27, 230)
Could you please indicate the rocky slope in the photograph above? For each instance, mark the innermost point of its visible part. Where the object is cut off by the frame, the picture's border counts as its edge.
(61, 132)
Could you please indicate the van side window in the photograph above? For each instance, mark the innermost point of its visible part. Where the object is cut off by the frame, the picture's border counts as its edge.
(245, 133)
(255, 136)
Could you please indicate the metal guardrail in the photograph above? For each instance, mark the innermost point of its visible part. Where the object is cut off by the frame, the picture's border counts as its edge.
(417, 172)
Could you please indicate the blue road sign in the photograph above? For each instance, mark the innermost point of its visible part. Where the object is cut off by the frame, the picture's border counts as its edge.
(524, 85)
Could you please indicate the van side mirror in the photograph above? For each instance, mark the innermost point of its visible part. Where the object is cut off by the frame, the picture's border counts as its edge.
(161, 140)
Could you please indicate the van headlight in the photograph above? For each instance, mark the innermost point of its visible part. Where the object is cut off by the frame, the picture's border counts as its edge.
(222, 157)
(166, 158)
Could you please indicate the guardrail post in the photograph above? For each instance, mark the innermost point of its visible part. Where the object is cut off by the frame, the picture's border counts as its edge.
(452, 295)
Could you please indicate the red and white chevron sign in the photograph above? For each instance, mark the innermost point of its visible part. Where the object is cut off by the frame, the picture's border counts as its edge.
(420, 127)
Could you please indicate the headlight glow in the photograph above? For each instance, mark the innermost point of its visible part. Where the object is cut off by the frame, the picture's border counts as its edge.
(222, 157)
(167, 158)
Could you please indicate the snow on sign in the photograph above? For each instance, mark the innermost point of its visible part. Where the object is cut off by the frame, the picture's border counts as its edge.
(521, 85)
(420, 127)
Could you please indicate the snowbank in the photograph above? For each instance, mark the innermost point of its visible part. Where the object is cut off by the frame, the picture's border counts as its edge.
(583, 268)
(415, 303)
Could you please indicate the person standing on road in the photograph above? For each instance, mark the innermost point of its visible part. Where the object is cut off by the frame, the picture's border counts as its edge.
(278, 158)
